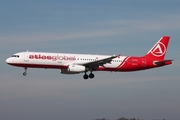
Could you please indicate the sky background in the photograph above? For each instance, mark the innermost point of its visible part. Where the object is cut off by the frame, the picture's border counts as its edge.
(126, 27)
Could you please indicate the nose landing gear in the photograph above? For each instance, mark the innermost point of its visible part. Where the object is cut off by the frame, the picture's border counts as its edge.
(25, 72)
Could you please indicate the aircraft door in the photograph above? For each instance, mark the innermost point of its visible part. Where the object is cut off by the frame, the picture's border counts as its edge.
(26, 57)
(143, 62)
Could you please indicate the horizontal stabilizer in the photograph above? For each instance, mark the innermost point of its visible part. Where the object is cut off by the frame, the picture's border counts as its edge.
(163, 62)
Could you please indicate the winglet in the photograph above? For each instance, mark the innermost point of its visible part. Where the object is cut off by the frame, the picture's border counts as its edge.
(118, 56)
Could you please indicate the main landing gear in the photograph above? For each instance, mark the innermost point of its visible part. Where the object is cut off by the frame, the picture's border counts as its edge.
(25, 72)
(91, 75)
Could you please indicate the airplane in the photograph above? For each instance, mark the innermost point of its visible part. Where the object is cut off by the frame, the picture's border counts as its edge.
(69, 63)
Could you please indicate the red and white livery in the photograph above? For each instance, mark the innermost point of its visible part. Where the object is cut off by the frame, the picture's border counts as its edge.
(82, 63)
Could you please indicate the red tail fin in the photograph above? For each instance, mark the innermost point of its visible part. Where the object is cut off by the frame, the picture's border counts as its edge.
(158, 51)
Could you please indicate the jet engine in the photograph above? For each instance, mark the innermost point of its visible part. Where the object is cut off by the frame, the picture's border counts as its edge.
(76, 68)
(73, 69)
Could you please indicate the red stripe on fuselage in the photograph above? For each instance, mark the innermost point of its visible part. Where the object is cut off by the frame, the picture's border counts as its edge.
(129, 64)
(38, 66)
(123, 62)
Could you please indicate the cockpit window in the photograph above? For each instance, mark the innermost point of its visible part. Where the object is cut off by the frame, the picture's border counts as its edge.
(15, 56)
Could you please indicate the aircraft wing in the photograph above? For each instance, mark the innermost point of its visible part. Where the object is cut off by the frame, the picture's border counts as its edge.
(100, 62)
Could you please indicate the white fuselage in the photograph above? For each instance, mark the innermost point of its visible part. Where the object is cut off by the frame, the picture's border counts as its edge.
(60, 60)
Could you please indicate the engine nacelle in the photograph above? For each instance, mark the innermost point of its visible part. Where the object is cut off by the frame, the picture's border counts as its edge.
(76, 68)
(73, 69)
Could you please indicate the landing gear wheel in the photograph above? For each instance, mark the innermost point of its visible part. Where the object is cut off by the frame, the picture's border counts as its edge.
(24, 73)
(91, 75)
(25, 70)
(85, 76)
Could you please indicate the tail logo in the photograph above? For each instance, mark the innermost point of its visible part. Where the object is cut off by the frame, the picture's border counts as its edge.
(159, 50)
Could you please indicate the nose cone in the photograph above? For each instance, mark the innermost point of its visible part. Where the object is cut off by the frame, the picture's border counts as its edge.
(8, 61)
